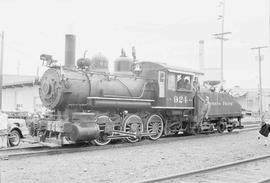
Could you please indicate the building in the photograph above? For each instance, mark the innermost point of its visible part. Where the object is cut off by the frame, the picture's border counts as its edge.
(248, 98)
(20, 93)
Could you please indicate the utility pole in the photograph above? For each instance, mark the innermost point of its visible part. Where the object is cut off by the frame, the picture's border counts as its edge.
(260, 77)
(1, 67)
(221, 37)
(269, 24)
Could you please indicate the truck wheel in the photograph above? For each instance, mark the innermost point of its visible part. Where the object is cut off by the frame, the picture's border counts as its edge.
(14, 138)
(221, 127)
(230, 129)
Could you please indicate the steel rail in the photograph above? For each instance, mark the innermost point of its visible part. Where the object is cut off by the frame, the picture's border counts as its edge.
(12, 149)
(264, 181)
(206, 170)
(75, 148)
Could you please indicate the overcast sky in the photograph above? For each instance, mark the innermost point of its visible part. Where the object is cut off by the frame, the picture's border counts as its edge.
(161, 30)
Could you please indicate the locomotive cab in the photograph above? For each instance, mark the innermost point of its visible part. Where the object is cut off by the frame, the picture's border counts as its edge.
(175, 85)
(175, 95)
(178, 100)
(179, 91)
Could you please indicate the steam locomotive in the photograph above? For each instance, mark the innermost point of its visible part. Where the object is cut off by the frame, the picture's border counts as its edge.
(140, 100)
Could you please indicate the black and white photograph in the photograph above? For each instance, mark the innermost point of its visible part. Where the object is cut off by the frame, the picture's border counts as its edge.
(134, 91)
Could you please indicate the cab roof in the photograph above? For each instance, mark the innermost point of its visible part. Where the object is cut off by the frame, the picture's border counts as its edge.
(174, 69)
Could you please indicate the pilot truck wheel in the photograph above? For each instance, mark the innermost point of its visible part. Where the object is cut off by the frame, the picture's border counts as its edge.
(102, 140)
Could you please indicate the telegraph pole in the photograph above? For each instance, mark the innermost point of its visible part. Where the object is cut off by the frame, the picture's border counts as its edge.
(269, 24)
(1, 67)
(221, 37)
(260, 77)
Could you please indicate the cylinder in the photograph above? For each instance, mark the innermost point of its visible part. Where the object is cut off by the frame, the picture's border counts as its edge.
(70, 50)
(84, 131)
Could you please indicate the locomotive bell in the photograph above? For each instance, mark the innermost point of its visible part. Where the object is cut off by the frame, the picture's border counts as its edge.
(80, 63)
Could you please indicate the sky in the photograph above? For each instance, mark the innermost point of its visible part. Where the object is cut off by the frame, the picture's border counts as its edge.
(161, 30)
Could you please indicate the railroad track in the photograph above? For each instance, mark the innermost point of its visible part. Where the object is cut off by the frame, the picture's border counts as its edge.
(255, 170)
(18, 152)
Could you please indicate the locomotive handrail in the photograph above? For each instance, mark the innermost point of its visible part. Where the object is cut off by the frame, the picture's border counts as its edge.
(162, 107)
(117, 75)
(88, 82)
(125, 87)
(200, 98)
(54, 115)
(128, 99)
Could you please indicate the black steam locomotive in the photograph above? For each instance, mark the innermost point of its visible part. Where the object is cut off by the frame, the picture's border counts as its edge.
(141, 99)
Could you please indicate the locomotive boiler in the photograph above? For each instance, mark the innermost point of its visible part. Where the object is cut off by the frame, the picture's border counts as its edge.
(141, 99)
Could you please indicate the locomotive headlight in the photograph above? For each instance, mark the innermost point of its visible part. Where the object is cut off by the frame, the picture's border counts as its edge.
(45, 57)
(47, 60)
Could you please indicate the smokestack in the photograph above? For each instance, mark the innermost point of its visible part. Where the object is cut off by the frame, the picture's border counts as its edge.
(201, 55)
(70, 50)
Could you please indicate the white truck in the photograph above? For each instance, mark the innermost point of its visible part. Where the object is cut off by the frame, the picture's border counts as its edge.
(17, 130)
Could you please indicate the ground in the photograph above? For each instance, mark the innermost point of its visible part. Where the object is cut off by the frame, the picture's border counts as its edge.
(135, 163)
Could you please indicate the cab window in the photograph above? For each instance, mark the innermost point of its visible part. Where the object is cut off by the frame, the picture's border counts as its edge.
(171, 81)
(184, 82)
